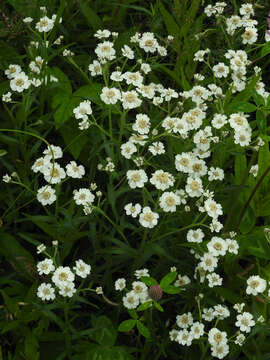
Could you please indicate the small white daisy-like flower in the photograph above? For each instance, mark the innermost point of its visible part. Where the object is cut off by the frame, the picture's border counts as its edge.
(102, 34)
(147, 42)
(221, 70)
(254, 170)
(45, 267)
(212, 208)
(120, 284)
(208, 314)
(246, 10)
(215, 174)
(110, 95)
(53, 173)
(62, 275)
(256, 285)
(28, 20)
(185, 320)
(162, 180)
(127, 149)
(245, 322)
(197, 330)
(95, 68)
(116, 76)
(83, 110)
(214, 280)
(130, 99)
(157, 148)
(173, 334)
(41, 248)
(12, 71)
(220, 350)
(168, 201)
(250, 35)
(145, 68)
(195, 236)
(67, 289)
(131, 300)
(142, 124)
(217, 337)
(184, 337)
(83, 196)
(208, 262)
(136, 178)
(82, 269)
(148, 218)
(46, 292)
(221, 312)
(217, 246)
(133, 210)
(75, 171)
(240, 339)
(127, 52)
(46, 195)
(54, 152)
(44, 24)
(7, 97)
(105, 51)
(141, 272)
(6, 178)
(20, 82)
(182, 280)
(194, 187)
(232, 246)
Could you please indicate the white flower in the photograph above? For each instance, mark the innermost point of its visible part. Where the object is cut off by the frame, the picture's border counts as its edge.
(110, 95)
(182, 280)
(95, 68)
(116, 76)
(120, 284)
(199, 55)
(246, 10)
(147, 42)
(157, 148)
(217, 337)
(46, 292)
(232, 246)
(136, 178)
(83, 110)
(7, 178)
(82, 269)
(194, 187)
(173, 334)
(168, 201)
(215, 174)
(53, 151)
(131, 300)
(195, 236)
(221, 70)
(208, 314)
(212, 208)
(127, 52)
(20, 82)
(184, 337)
(142, 124)
(41, 248)
(185, 320)
(62, 275)
(105, 51)
(197, 330)
(243, 138)
(127, 149)
(140, 273)
(245, 322)
(162, 180)
(220, 350)
(67, 289)
(256, 285)
(130, 99)
(240, 339)
(99, 290)
(254, 170)
(134, 78)
(27, 20)
(145, 68)
(53, 173)
(183, 162)
(102, 34)
(75, 171)
(208, 262)
(7, 97)
(45, 24)
(250, 35)
(83, 196)
(214, 280)
(217, 246)
(133, 210)
(45, 267)
(46, 195)
(12, 71)
(148, 218)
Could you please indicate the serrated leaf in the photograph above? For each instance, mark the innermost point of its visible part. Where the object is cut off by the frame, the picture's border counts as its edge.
(143, 329)
(127, 325)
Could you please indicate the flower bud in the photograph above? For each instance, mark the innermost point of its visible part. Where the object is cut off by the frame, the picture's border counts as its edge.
(155, 292)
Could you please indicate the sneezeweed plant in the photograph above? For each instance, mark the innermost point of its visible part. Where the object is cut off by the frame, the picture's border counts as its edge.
(172, 155)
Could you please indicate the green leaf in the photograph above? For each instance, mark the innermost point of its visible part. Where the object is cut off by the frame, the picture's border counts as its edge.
(261, 120)
(265, 49)
(170, 289)
(248, 221)
(127, 325)
(3, 152)
(145, 305)
(158, 306)
(168, 279)
(104, 331)
(133, 314)
(148, 280)
(143, 329)
(91, 17)
(171, 25)
(242, 106)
